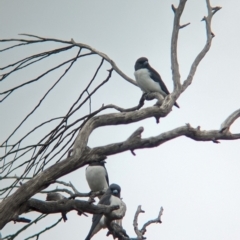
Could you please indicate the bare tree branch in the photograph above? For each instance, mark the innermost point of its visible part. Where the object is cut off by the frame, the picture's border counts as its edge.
(103, 55)
(81, 45)
(66, 205)
(44, 230)
(135, 222)
(188, 131)
(184, 25)
(156, 220)
(72, 62)
(201, 55)
(82, 155)
(229, 121)
(140, 233)
(21, 219)
(178, 88)
(54, 195)
(174, 59)
(13, 236)
(60, 129)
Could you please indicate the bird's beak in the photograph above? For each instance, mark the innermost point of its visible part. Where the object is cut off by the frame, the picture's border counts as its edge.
(145, 63)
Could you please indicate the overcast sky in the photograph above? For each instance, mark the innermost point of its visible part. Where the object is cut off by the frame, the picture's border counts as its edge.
(197, 183)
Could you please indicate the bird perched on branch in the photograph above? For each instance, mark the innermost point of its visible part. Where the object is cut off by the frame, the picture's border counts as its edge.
(97, 176)
(111, 197)
(148, 79)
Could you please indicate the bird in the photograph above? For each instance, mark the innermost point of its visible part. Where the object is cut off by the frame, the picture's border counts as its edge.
(148, 79)
(110, 197)
(97, 176)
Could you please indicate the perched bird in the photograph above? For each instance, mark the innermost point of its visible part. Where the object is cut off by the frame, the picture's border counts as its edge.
(97, 176)
(111, 197)
(148, 79)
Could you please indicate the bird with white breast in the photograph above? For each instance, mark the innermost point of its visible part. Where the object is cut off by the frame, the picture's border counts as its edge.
(148, 79)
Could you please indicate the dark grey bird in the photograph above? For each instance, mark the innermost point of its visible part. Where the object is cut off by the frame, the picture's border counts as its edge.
(111, 197)
(149, 79)
(97, 176)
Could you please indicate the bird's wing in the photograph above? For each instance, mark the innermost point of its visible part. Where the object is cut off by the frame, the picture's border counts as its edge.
(95, 221)
(157, 78)
(105, 200)
(106, 176)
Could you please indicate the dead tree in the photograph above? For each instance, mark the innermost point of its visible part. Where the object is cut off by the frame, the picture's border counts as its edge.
(70, 138)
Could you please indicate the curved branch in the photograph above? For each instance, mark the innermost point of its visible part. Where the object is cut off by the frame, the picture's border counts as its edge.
(115, 119)
(135, 222)
(81, 45)
(105, 56)
(156, 220)
(229, 121)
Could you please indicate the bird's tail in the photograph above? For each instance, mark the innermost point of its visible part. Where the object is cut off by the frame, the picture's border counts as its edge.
(175, 104)
(88, 237)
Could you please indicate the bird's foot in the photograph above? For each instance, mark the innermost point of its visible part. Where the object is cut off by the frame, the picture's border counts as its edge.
(91, 197)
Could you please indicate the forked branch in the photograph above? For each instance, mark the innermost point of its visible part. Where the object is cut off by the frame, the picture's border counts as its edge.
(178, 88)
(140, 232)
(201, 55)
(83, 155)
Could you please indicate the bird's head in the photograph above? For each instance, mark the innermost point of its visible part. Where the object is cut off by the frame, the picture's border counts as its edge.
(102, 162)
(141, 63)
(115, 190)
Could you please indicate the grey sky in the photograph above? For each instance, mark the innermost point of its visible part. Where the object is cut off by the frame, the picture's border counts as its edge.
(196, 183)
